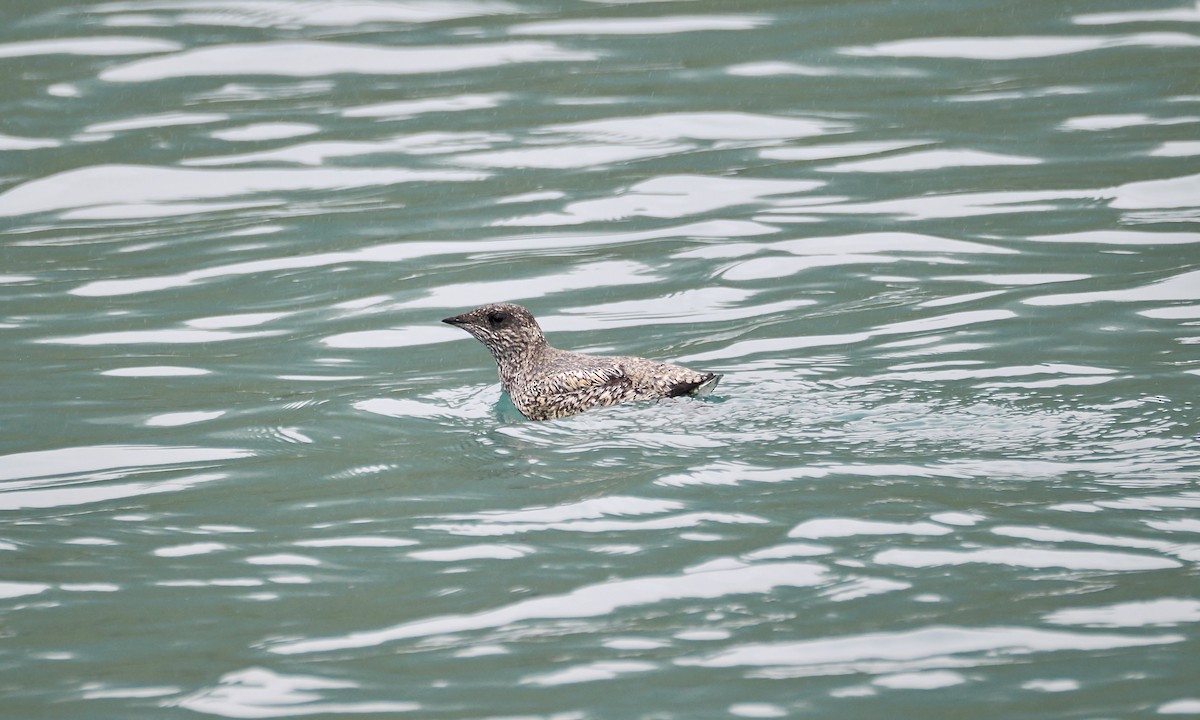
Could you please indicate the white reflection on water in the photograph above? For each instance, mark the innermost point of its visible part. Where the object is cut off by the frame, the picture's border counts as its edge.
(189, 549)
(316, 59)
(670, 196)
(1164, 612)
(88, 46)
(110, 460)
(590, 672)
(775, 68)
(642, 25)
(579, 277)
(568, 156)
(392, 338)
(1166, 193)
(265, 131)
(175, 419)
(320, 152)
(474, 552)
(1058, 685)
(584, 602)
(1185, 286)
(702, 126)
(715, 304)
(1177, 148)
(932, 646)
(838, 150)
(11, 589)
(462, 403)
(1121, 237)
(1184, 551)
(757, 710)
(261, 693)
(155, 121)
(930, 680)
(156, 371)
(1094, 375)
(1185, 706)
(1025, 558)
(402, 109)
(158, 337)
(101, 691)
(83, 494)
(776, 267)
(930, 160)
(400, 251)
(943, 205)
(358, 541)
(746, 348)
(77, 475)
(117, 186)
(787, 550)
(1181, 14)
(1019, 47)
(1017, 279)
(613, 505)
(217, 322)
(673, 522)
(257, 13)
(1113, 122)
(733, 473)
(282, 559)
(13, 142)
(849, 527)
(899, 243)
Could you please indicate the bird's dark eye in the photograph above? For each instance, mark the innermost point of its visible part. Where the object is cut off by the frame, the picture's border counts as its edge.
(496, 318)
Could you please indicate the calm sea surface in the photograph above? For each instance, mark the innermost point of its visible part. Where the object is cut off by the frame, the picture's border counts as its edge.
(945, 253)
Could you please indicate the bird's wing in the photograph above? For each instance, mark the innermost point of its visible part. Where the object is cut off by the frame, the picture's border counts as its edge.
(582, 379)
(707, 385)
(571, 391)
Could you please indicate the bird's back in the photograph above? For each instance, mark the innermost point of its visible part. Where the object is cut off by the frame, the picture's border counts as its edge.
(558, 383)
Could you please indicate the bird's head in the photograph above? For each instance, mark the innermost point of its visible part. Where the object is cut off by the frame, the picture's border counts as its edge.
(508, 331)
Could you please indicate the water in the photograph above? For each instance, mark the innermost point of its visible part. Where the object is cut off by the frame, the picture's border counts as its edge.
(945, 256)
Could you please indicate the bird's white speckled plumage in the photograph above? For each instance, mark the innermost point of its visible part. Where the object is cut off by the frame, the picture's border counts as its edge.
(545, 382)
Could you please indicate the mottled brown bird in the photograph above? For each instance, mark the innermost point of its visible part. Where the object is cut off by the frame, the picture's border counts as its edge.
(546, 383)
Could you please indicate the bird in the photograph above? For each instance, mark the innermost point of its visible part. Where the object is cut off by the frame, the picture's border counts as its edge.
(545, 383)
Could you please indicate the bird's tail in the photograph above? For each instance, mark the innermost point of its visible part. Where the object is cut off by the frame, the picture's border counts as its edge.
(708, 385)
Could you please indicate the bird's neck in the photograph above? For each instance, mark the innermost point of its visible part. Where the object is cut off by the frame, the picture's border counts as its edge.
(521, 361)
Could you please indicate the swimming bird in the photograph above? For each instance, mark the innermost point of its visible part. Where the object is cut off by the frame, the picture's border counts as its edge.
(546, 383)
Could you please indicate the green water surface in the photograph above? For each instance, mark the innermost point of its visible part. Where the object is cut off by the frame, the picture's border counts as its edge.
(945, 254)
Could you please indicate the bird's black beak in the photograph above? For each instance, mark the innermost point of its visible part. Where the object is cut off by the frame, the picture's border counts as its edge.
(456, 320)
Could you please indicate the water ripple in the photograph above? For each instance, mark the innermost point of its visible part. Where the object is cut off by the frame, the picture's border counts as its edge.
(906, 650)
(316, 59)
(586, 601)
(259, 693)
(127, 189)
(948, 278)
